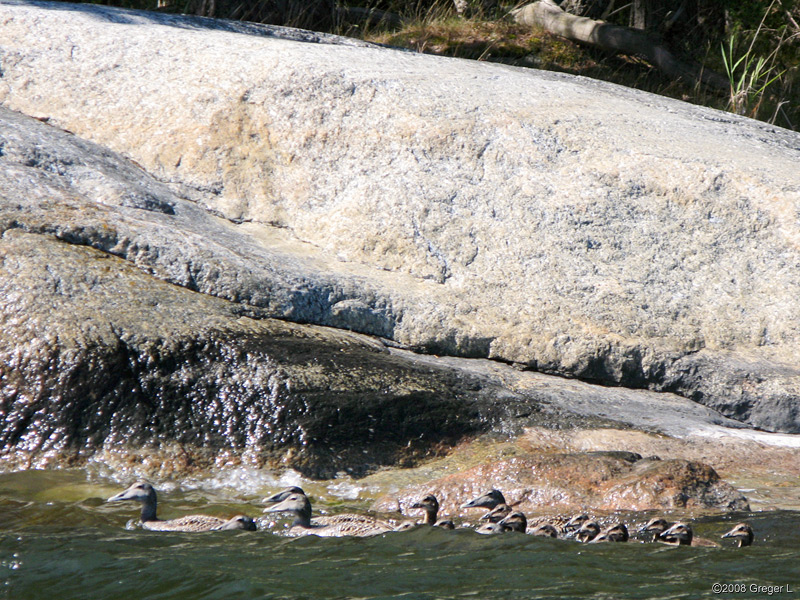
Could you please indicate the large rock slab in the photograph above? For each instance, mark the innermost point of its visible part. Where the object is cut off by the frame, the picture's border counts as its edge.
(101, 359)
(575, 227)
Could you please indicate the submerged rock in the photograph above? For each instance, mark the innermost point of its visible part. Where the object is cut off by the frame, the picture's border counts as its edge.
(578, 482)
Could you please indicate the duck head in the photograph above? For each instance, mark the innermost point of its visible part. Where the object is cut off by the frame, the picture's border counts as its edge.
(283, 494)
(488, 500)
(576, 522)
(141, 491)
(242, 522)
(679, 533)
(588, 531)
(616, 533)
(743, 534)
(298, 504)
(431, 507)
(545, 530)
(497, 514)
(655, 527)
(516, 521)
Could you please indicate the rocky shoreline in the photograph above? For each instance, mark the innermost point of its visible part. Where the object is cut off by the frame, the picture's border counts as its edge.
(304, 254)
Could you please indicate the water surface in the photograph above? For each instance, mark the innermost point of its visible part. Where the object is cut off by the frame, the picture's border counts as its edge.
(60, 539)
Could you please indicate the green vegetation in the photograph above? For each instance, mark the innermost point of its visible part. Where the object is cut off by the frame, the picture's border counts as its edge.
(755, 44)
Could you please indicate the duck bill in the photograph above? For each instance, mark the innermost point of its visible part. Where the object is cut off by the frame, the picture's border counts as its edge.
(279, 497)
(121, 496)
(478, 502)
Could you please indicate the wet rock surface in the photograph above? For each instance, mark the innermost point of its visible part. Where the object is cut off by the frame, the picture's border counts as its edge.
(187, 281)
(578, 482)
(105, 357)
(571, 226)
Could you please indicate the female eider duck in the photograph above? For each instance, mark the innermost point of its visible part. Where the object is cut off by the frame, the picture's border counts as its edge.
(431, 507)
(680, 534)
(328, 526)
(145, 493)
(742, 533)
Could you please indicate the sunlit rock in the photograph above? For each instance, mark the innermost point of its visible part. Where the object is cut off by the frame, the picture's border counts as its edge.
(577, 482)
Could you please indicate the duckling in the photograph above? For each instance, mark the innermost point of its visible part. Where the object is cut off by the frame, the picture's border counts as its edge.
(143, 492)
(559, 522)
(242, 522)
(742, 533)
(431, 507)
(545, 530)
(615, 533)
(445, 524)
(328, 526)
(516, 521)
(576, 522)
(655, 527)
(497, 514)
(488, 500)
(588, 531)
(490, 529)
(681, 534)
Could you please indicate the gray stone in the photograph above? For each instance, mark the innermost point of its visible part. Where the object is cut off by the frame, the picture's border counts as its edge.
(572, 226)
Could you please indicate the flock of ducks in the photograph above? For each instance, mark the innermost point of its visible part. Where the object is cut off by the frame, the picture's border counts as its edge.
(500, 518)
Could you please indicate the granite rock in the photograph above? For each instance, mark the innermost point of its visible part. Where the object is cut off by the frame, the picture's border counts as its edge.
(571, 226)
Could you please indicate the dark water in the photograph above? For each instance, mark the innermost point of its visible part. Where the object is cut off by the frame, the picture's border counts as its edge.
(59, 540)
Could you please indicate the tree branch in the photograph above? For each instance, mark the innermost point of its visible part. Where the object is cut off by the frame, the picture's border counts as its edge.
(624, 40)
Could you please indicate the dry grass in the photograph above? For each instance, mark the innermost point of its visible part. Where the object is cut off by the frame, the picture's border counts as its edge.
(509, 43)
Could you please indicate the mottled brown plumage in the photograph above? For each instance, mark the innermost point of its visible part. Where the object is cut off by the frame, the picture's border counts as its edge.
(343, 525)
(145, 493)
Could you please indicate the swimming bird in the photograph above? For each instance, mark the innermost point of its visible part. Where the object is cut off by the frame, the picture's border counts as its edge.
(545, 530)
(656, 527)
(516, 521)
(488, 500)
(615, 533)
(445, 524)
(681, 534)
(576, 522)
(498, 513)
(490, 529)
(431, 507)
(559, 522)
(143, 492)
(328, 526)
(742, 533)
(588, 531)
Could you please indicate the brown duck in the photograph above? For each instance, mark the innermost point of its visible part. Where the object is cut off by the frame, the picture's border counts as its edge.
(143, 492)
